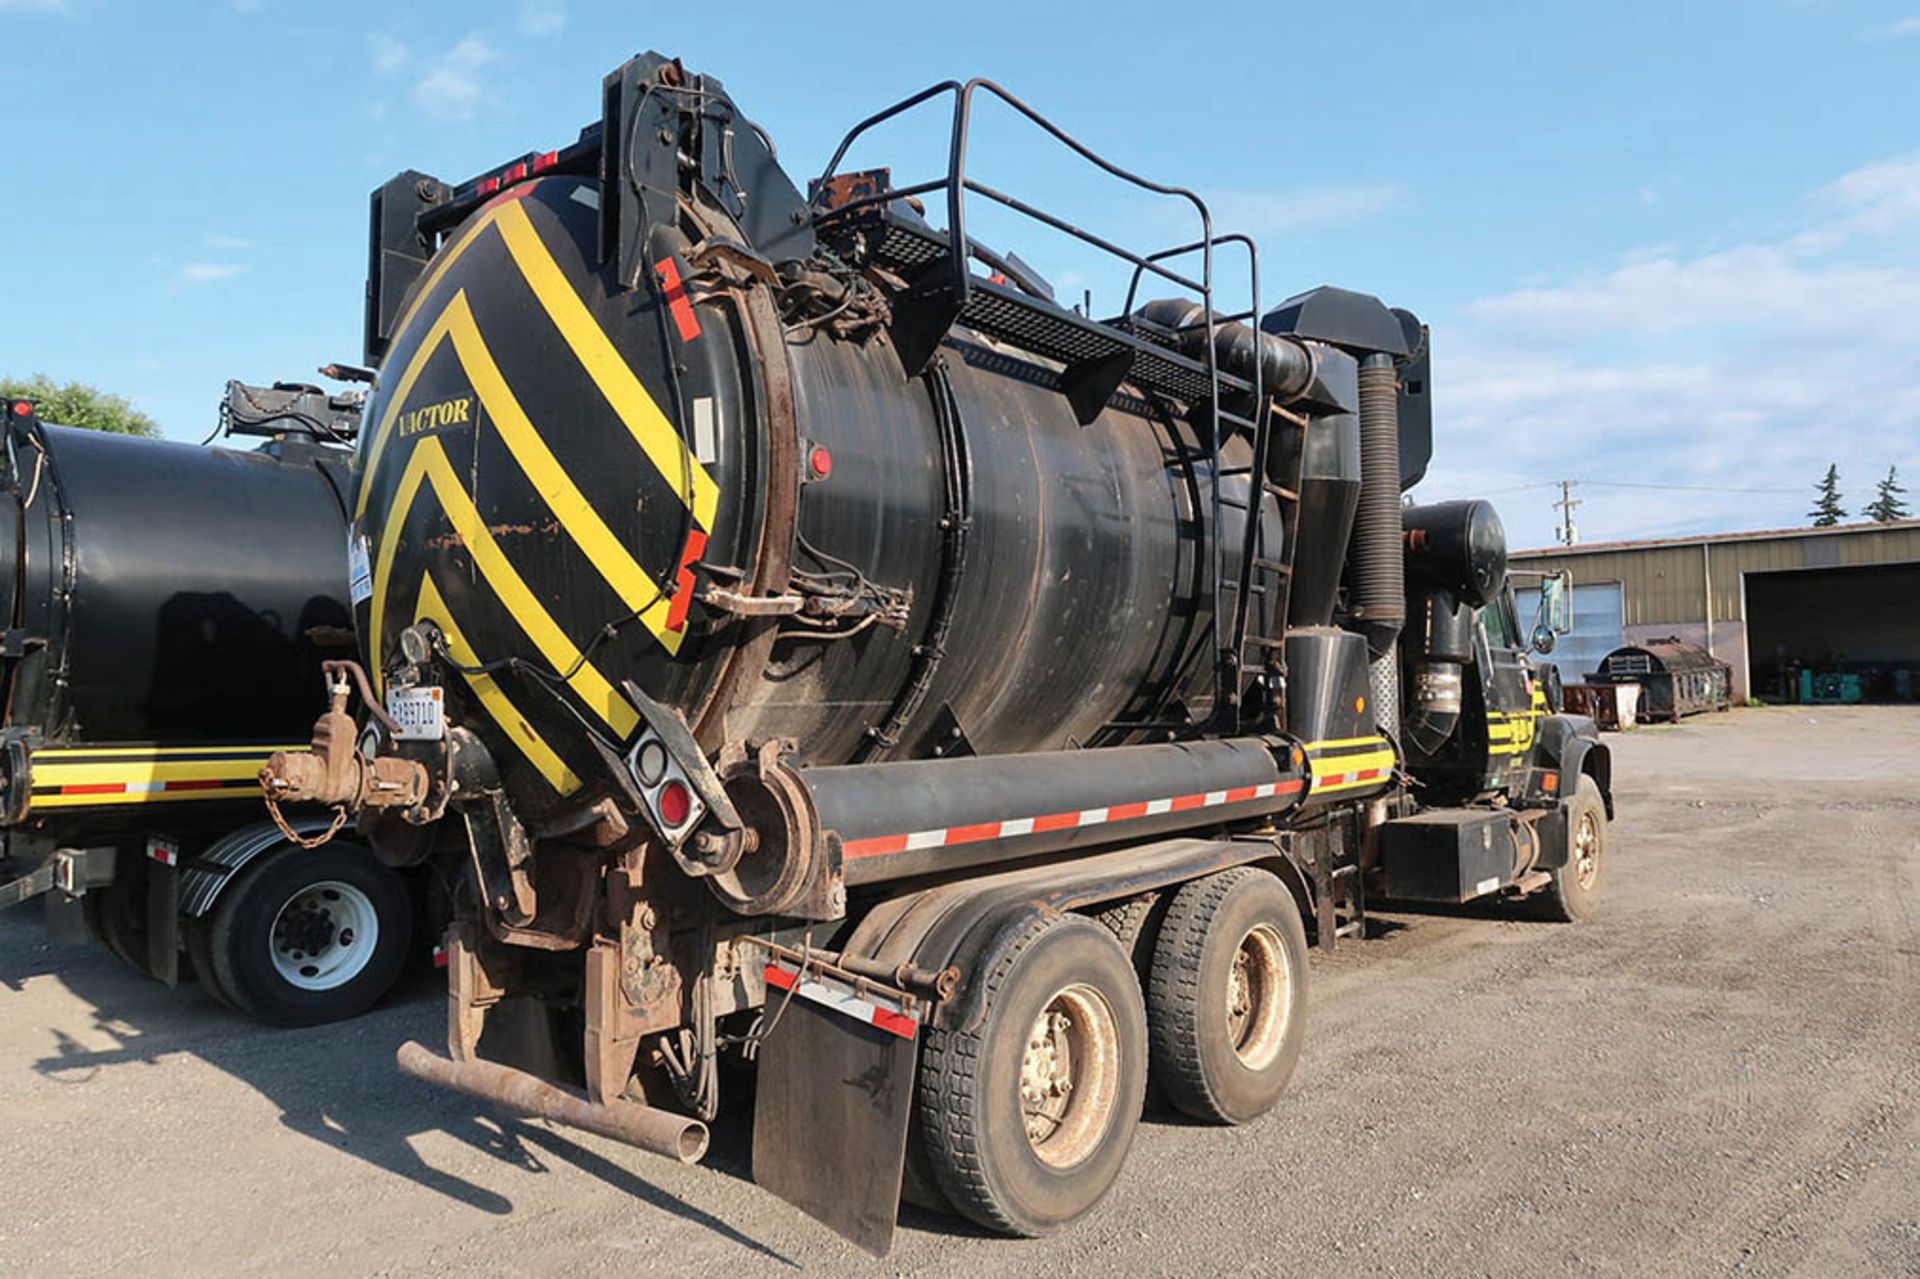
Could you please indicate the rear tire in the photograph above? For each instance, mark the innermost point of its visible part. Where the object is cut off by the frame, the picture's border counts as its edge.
(1028, 1119)
(1574, 892)
(310, 936)
(1227, 1001)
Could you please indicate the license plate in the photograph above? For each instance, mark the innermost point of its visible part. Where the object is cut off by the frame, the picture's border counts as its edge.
(421, 713)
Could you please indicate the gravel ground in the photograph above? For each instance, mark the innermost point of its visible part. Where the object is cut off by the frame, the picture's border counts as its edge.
(1721, 1073)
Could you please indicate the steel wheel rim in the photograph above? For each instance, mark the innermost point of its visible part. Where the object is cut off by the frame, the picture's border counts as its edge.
(1070, 1076)
(323, 936)
(1259, 997)
(1586, 851)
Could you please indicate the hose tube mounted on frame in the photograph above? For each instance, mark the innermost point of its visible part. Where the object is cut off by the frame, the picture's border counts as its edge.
(1378, 574)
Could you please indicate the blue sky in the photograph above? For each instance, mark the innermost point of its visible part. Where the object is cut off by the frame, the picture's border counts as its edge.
(1672, 244)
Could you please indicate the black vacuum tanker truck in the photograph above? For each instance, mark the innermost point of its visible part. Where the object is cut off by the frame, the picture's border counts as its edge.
(820, 645)
(168, 610)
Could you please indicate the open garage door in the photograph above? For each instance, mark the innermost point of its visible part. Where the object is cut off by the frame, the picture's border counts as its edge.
(1597, 621)
(1861, 620)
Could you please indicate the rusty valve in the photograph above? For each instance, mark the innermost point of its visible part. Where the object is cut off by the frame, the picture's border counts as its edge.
(333, 771)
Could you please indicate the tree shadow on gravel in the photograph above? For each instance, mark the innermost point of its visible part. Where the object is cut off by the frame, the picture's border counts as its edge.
(336, 1084)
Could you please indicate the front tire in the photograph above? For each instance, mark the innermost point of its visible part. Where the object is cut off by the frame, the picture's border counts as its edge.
(309, 936)
(1028, 1119)
(1227, 1001)
(1573, 894)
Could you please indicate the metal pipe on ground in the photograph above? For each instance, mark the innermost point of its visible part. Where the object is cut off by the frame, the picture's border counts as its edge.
(659, 1131)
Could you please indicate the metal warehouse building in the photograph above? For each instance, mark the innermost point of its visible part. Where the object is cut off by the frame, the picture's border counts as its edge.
(1768, 604)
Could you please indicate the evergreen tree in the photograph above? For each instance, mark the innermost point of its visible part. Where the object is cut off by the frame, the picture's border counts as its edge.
(1888, 507)
(1827, 510)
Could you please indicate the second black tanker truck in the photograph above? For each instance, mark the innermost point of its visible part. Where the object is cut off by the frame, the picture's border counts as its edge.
(819, 644)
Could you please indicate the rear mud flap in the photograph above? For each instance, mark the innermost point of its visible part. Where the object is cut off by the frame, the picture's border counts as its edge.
(835, 1093)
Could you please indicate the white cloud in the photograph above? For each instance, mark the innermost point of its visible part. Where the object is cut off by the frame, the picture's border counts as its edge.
(542, 17)
(207, 272)
(1894, 30)
(1749, 367)
(1261, 213)
(386, 52)
(452, 88)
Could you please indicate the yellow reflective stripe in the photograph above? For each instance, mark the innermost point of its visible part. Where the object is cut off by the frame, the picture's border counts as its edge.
(429, 463)
(576, 515)
(38, 802)
(643, 419)
(256, 753)
(134, 772)
(384, 430)
(492, 697)
(1341, 766)
(1345, 741)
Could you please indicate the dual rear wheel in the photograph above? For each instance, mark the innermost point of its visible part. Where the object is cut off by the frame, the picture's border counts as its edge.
(1026, 1119)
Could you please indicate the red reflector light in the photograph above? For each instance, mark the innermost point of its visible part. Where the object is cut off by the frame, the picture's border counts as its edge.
(820, 462)
(516, 172)
(487, 186)
(21, 408)
(545, 162)
(675, 803)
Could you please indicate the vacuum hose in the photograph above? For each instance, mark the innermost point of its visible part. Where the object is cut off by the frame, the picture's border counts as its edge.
(1379, 573)
(1286, 366)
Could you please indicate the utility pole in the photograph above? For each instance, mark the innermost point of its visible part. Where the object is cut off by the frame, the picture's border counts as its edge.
(1569, 534)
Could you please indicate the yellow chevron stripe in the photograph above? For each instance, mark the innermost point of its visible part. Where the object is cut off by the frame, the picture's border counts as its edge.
(605, 365)
(556, 488)
(492, 697)
(384, 430)
(597, 355)
(429, 464)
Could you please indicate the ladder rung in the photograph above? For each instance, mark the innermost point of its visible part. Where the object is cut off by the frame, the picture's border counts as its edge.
(1267, 641)
(1256, 589)
(1273, 566)
(1280, 491)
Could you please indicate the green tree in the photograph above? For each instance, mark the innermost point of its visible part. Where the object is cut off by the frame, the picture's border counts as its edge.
(77, 404)
(1887, 506)
(1827, 510)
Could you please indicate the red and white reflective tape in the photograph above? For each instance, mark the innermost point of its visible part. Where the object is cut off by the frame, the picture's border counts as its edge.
(154, 788)
(829, 992)
(1328, 780)
(949, 836)
(164, 851)
(440, 956)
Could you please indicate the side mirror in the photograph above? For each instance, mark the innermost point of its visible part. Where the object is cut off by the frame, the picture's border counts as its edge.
(1543, 638)
(1556, 605)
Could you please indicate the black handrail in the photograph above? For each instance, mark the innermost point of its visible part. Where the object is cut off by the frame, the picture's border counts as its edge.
(957, 184)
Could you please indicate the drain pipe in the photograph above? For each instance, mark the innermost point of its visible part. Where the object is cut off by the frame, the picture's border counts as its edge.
(1379, 570)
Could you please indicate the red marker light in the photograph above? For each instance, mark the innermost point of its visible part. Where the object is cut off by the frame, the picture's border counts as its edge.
(675, 804)
(517, 172)
(820, 462)
(545, 162)
(21, 408)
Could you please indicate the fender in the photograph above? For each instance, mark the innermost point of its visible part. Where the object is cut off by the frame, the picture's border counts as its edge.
(204, 878)
(1565, 747)
(956, 923)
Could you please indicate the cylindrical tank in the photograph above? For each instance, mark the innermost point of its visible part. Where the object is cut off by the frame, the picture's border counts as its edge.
(576, 541)
(168, 593)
